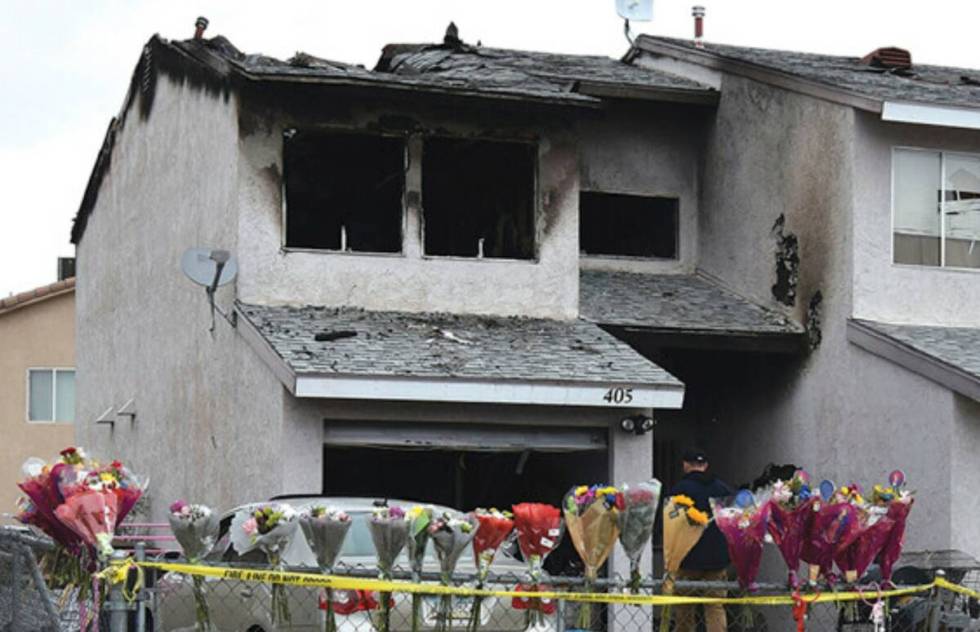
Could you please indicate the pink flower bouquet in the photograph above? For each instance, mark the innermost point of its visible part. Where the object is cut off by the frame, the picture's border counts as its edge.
(835, 521)
(789, 522)
(743, 520)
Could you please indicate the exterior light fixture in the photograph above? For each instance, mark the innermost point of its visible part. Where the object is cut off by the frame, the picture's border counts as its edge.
(637, 424)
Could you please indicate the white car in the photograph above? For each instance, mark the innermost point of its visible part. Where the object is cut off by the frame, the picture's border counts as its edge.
(245, 606)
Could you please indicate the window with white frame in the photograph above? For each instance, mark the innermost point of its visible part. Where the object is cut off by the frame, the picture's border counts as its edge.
(936, 208)
(51, 395)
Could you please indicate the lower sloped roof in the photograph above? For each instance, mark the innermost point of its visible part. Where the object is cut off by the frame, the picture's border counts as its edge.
(675, 302)
(344, 342)
(948, 355)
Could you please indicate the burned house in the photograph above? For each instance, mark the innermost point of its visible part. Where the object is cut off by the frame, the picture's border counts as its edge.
(475, 276)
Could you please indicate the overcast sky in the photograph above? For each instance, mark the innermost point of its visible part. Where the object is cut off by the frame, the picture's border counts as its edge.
(65, 66)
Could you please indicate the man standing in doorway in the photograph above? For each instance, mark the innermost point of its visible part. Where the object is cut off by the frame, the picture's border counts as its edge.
(708, 560)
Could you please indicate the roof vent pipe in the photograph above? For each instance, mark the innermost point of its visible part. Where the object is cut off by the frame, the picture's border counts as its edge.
(199, 27)
(889, 58)
(698, 12)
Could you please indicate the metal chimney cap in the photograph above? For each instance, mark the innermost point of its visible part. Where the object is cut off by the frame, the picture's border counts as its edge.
(697, 11)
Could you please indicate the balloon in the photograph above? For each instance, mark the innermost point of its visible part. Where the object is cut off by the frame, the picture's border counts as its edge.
(744, 498)
(896, 478)
(32, 467)
(804, 476)
(827, 489)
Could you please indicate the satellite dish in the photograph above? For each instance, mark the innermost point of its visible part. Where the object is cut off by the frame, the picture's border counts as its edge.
(635, 10)
(208, 267)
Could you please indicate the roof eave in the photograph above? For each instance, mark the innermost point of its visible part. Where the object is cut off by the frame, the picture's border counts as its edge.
(611, 90)
(763, 74)
(919, 362)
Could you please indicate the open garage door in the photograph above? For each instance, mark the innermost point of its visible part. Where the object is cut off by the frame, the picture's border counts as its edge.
(464, 465)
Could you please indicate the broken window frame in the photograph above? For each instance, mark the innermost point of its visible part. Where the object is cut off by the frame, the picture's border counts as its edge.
(619, 257)
(943, 227)
(534, 144)
(351, 131)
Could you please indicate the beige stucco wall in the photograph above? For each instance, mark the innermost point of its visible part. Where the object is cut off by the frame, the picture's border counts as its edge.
(37, 335)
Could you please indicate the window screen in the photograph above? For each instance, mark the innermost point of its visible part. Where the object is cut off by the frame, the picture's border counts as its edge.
(628, 225)
(478, 198)
(344, 191)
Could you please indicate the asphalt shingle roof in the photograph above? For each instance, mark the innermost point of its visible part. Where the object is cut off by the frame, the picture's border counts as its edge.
(444, 345)
(957, 347)
(683, 302)
(938, 85)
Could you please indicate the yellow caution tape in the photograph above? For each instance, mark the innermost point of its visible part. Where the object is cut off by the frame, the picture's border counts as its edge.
(335, 582)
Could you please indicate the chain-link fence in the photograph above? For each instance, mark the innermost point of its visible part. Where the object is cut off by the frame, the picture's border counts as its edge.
(163, 599)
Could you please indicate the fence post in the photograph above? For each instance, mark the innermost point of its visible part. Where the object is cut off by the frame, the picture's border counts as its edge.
(15, 566)
(118, 611)
(141, 602)
(560, 615)
(935, 612)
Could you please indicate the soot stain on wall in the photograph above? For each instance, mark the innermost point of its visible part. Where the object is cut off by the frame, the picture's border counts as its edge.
(787, 263)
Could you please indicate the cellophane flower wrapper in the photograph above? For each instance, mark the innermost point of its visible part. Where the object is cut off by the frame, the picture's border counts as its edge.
(745, 531)
(862, 543)
(419, 518)
(495, 527)
(898, 513)
(833, 522)
(451, 536)
(92, 515)
(271, 535)
(196, 529)
(325, 531)
(636, 521)
(389, 531)
(680, 535)
(792, 512)
(592, 521)
(539, 530)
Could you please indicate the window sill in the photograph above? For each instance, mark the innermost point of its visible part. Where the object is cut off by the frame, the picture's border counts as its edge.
(345, 253)
(600, 258)
(534, 261)
(35, 422)
(916, 266)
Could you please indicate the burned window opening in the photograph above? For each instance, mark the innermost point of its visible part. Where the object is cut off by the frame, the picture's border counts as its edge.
(628, 225)
(478, 198)
(343, 191)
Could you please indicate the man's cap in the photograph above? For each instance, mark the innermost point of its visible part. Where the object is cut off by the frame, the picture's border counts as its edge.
(695, 455)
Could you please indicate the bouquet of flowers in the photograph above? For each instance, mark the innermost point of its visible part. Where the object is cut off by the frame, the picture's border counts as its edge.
(79, 503)
(325, 531)
(592, 520)
(494, 528)
(269, 528)
(684, 524)
(862, 542)
(834, 521)
(789, 522)
(451, 535)
(897, 502)
(539, 530)
(743, 520)
(419, 519)
(636, 521)
(389, 531)
(196, 529)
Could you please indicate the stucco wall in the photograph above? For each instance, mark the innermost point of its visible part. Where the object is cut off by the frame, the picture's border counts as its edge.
(209, 413)
(647, 149)
(547, 287)
(965, 475)
(40, 335)
(893, 292)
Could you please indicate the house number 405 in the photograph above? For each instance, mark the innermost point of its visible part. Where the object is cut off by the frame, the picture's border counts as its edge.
(619, 395)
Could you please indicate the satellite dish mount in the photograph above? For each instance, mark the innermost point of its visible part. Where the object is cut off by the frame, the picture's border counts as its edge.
(211, 269)
(635, 10)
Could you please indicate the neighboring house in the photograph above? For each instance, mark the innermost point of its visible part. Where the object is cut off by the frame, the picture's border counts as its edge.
(462, 273)
(37, 381)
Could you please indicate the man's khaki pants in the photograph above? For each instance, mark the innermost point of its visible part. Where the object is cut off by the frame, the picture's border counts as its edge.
(714, 614)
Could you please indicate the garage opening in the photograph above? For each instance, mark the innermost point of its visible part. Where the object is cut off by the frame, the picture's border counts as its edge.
(465, 466)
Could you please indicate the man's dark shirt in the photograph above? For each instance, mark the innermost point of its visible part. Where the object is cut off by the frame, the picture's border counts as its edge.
(711, 551)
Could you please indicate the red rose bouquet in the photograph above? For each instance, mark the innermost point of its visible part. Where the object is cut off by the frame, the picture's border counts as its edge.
(494, 528)
(636, 520)
(539, 530)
